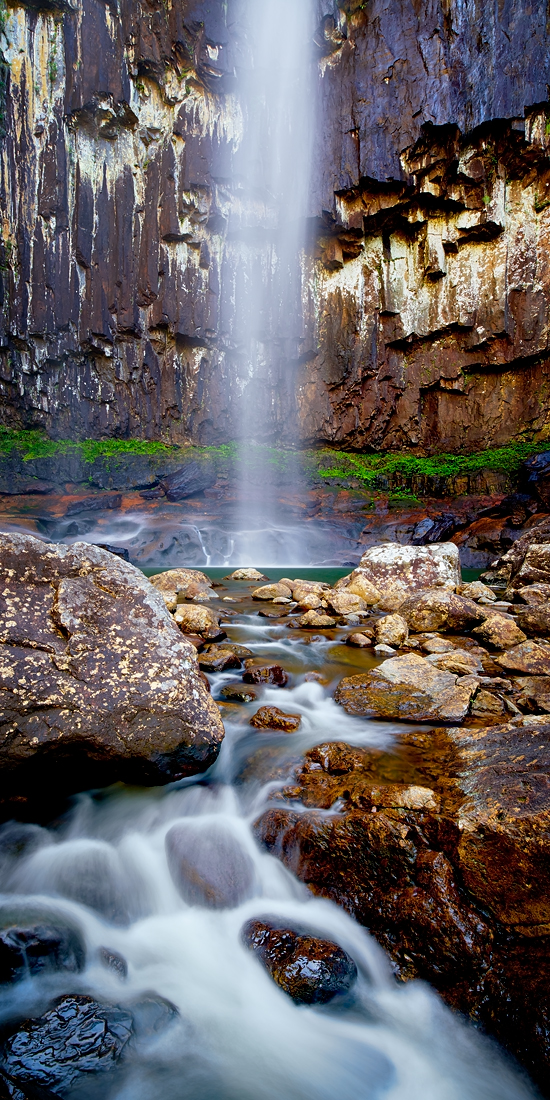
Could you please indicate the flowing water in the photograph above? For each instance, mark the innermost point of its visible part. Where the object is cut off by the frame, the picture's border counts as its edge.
(236, 1034)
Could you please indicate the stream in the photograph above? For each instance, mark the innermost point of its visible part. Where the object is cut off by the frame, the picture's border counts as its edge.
(236, 1035)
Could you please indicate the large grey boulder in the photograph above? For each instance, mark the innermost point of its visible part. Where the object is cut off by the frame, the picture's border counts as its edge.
(97, 683)
(394, 573)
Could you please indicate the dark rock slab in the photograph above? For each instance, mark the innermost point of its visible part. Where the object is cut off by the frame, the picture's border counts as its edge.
(38, 949)
(193, 478)
(310, 969)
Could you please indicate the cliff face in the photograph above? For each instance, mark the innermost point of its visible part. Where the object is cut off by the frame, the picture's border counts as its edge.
(125, 224)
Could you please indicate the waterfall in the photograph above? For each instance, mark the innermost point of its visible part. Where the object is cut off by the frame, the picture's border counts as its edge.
(268, 234)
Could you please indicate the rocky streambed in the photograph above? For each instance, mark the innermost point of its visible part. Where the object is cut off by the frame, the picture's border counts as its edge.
(386, 749)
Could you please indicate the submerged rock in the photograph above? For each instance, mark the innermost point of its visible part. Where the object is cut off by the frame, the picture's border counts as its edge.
(97, 682)
(31, 949)
(208, 865)
(409, 688)
(77, 1037)
(310, 969)
(271, 718)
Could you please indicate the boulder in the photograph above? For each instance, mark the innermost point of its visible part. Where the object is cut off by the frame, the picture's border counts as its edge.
(271, 718)
(208, 865)
(189, 584)
(344, 602)
(460, 661)
(308, 601)
(218, 659)
(75, 1038)
(391, 630)
(97, 683)
(533, 594)
(358, 585)
(500, 632)
(438, 609)
(265, 674)
(408, 688)
(195, 619)
(311, 970)
(529, 658)
(270, 591)
(437, 645)
(398, 572)
(192, 478)
(476, 590)
(314, 620)
(361, 641)
(535, 619)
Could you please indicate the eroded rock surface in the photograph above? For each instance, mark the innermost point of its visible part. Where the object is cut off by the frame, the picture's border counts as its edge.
(311, 970)
(407, 688)
(97, 683)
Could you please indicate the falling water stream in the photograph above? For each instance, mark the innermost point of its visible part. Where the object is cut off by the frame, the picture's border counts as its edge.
(235, 1035)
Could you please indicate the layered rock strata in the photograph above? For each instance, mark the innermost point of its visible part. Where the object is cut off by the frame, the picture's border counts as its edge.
(128, 225)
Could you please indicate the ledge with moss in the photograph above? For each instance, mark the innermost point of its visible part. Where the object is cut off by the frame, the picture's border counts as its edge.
(30, 461)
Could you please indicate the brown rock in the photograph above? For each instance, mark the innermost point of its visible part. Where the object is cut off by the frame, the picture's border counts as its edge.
(208, 865)
(460, 661)
(476, 590)
(216, 660)
(194, 619)
(532, 594)
(311, 970)
(535, 693)
(270, 591)
(437, 645)
(439, 609)
(189, 584)
(535, 619)
(312, 620)
(309, 601)
(530, 658)
(487, 705)
(500, 632)
(391, 630)
(344, 602)
(265, 674)
(98, 684)
(359, 640)
(408, 688)
(241, 693)
(246, 574)
(271, 718)
(358, 585)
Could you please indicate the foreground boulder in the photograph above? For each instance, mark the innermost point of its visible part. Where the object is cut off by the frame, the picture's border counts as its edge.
(208, 865)
(311, 970)
(396, 572)
(76, 1039)
(409, 688)
(96, 682)
(441, 847)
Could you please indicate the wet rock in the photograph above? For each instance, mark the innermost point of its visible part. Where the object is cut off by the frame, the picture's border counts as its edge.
(241, 693)
(113, 961)
(270, 591)
(314, 620)
(194, 619)
(499, 632)
(438, 609)
(219, 659)
(208, 865)
(400, 571)
(271, 718)
(383, 650)
(246, 574)
(344, 602)
(240, 651)
(189, 584)
(75, 1038)
(530, 658)
(192, 478)
(391, 630)
(39, 949)
(359, 640)
(535, 619)
(408, 688)
(265, 674)
(311, 970)
(488, 705)
(97, 683)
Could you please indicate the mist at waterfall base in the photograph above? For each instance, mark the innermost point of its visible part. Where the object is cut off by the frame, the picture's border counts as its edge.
(235, 1035)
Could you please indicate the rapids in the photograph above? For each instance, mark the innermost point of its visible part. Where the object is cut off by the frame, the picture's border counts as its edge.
(237, 1035)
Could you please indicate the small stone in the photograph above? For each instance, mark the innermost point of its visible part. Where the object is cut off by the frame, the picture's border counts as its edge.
(313, 620)
(476, 590)
(311, 970)
(271, 591)
(113, 961)
(246, 574)
(384, 650)
(239, 692)
(265, 674)
(194, 619)
(500, 632)
(487, 705)
(460, 661)
(344, 602)
(218, 660)
(315, 678)
(271, 718)
(359, 640)
(437, 645)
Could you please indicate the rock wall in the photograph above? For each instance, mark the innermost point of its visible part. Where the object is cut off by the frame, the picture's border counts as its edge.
(126, 224)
